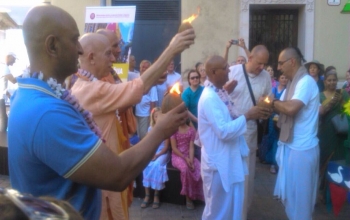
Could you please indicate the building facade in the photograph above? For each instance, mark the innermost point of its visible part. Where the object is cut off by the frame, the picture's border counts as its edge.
(317, 28)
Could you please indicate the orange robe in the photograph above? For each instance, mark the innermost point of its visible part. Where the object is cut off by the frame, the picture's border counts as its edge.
(102, 99)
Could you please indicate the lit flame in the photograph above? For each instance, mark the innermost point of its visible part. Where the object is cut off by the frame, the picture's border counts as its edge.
(175, 88)
(192, 17)
(267, 100)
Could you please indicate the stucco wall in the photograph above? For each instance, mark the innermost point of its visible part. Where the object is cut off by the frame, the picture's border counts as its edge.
(219, 21)
(216, 24)
(332, 36)
(77, 9)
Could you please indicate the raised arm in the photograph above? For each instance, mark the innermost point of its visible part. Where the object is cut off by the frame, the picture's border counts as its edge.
(227, 48)
(180, 42)
(241, 44)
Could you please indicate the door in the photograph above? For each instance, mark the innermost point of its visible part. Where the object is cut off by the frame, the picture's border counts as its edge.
(274, 28)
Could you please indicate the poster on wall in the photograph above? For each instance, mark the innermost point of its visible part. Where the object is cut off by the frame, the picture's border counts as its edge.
(120, 20)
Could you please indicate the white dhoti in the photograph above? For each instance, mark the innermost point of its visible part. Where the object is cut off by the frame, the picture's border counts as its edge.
(297, 180)
(220, 204)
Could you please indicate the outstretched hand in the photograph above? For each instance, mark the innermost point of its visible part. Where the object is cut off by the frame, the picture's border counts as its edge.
(257, 112)
(241, 43)
(182, 41)
(229, 44)
(169, 123)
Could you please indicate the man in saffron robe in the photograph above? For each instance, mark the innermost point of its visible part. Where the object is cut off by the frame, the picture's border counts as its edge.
(127, 122)
(60, 153)
(104, 99)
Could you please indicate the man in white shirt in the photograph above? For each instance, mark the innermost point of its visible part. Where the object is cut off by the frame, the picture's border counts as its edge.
(298, 151)
(223, 166)
(172, 77)
(144, 108)
(5, 74)
(261, 85)
(133, 73)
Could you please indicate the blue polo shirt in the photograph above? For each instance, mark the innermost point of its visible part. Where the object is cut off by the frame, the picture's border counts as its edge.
(48, 140)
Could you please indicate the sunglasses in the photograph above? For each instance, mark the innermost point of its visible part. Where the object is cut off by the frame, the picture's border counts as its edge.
(194, 77)
(34, 208)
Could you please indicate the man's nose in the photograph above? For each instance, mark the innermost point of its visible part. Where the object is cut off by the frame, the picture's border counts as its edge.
(112, 58)
(80, 49)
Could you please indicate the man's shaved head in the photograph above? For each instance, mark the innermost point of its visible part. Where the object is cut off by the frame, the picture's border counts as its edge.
(292, 52)
(258, 58)
(92, 43)
(212, 63)
(217, 70)
(51, 37)
(97, 57)
(259, 49)
(113, 39)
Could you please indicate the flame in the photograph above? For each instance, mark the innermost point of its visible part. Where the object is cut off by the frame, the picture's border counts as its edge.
(192, 17)
(267, 100)
(175, 88)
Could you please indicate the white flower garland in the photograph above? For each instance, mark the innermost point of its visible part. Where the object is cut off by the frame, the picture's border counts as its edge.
(66, 95)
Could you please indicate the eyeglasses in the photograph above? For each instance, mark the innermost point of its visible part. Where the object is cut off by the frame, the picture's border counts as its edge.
(34, 208)
(280, 63)
(194, 77)
(222, 68)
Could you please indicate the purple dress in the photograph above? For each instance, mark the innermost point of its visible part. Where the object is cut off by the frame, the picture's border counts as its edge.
(192, 185)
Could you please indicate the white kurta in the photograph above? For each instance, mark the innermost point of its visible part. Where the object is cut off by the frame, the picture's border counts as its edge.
(222, 165)
(298, 160)
(261, 86)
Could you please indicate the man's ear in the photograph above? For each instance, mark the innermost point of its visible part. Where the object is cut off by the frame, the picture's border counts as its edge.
(250, 58)
(91, 58)
(51, 45)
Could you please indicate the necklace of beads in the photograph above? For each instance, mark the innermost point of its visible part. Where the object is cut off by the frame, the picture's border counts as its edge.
(66, 95)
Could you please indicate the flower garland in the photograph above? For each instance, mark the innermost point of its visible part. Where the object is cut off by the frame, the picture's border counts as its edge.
(223, 95)
(86, 75)
(66, 95)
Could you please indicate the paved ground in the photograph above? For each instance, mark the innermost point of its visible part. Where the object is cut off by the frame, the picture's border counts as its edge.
(264, 207)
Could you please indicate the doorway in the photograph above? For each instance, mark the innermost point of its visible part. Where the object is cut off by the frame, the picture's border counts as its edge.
(274, 28)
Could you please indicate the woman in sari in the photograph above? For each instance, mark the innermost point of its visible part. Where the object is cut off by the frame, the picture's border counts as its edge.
(332, 100)
(331, 144)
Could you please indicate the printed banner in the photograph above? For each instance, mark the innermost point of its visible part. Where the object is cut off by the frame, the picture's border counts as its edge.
(120, 20)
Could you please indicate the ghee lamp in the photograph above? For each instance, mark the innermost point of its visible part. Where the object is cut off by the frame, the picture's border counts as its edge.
(186, 24)
(172, 98)
(266, 103)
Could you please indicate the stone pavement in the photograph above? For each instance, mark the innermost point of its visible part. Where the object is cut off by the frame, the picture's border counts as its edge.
(264, 206)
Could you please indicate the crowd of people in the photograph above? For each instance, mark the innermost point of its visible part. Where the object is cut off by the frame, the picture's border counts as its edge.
(72, 135)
